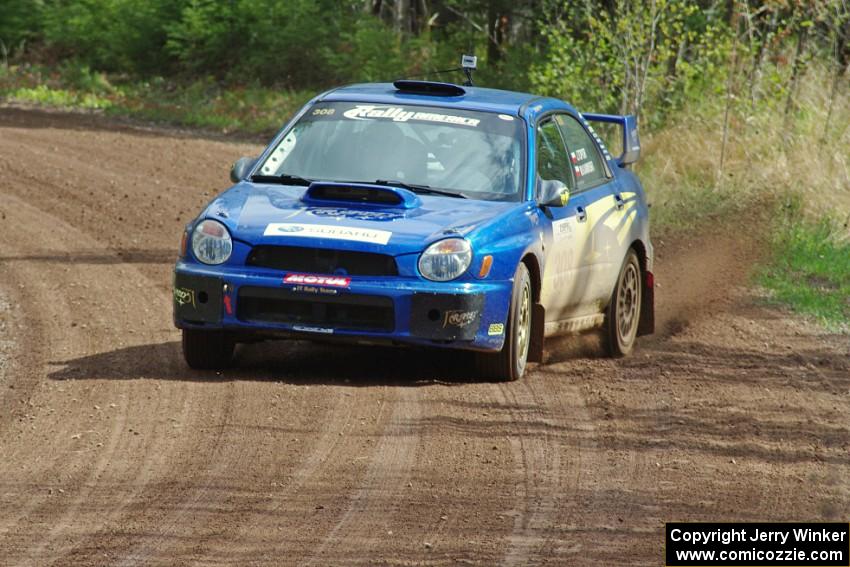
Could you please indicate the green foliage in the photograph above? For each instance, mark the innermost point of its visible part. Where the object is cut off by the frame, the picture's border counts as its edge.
(620, 60)
(63, 98)
(367, 53)
(111, 35)
(20, 21)
(205, 35)
(266, 40)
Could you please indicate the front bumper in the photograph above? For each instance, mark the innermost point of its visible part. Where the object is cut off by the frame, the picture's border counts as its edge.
(260, 304)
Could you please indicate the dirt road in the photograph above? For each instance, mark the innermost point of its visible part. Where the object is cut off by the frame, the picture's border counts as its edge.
(113, 453)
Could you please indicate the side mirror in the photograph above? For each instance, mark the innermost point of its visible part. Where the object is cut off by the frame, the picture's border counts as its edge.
(240, 169)
(553, 193)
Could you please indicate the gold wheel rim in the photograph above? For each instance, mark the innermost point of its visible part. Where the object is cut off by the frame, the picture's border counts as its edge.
(628, 300)
(524, 323)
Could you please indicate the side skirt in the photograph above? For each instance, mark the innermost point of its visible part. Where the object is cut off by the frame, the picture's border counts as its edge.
(574, 325)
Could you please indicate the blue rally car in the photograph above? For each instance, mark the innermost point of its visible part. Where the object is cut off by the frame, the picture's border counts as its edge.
(428, 214)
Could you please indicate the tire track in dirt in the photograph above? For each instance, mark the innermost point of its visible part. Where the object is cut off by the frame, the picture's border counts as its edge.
(365, 520)
(88, 471)
(91, 249)
(330, 436)
(537, 462)
(157, 546)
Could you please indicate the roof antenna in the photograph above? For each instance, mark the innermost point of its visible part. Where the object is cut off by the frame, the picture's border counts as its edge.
(468, 63)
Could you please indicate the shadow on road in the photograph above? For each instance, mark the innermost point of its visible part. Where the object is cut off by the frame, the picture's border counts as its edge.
(292, 362)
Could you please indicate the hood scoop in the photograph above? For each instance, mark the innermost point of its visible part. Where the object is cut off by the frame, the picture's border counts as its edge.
(324, 193)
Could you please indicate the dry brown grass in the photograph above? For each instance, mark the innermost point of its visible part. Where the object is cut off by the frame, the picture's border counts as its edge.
(767, 157)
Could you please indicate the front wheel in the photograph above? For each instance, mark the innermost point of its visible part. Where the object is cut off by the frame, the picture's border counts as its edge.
(623, 313)
(509, 363)
(207, 350)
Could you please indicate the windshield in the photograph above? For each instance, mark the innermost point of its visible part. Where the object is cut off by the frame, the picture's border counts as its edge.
(476, 154)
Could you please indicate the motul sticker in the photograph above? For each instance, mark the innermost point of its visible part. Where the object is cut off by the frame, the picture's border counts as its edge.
(308, 279)
(334, 232)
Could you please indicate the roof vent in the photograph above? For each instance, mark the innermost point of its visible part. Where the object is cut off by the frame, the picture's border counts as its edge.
(429, 88)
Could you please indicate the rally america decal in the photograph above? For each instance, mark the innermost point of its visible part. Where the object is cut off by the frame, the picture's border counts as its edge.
(334, 232)
(399, 114)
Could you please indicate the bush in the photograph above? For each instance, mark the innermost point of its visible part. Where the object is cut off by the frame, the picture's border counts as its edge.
(111, 35)
(20, 22)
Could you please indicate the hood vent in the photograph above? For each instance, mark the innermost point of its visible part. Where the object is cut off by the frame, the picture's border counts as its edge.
(348, 194)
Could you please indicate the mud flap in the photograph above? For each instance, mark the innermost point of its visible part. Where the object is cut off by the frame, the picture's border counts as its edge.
(646, 325)
(535, 347)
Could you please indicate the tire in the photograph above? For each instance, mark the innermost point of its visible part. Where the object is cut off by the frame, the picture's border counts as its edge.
(622, 316)
(207, 350)
(509, 363)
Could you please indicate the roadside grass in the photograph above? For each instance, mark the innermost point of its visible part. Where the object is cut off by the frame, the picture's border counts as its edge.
(810, 270)
(200, 103)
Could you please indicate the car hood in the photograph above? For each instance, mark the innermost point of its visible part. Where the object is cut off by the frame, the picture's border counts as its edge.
(277, 215)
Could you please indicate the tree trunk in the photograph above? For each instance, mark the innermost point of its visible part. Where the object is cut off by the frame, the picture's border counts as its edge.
(797, 69)
(840, 42)
(730, 85)
(764, 34)
(402, 17)
(493, 16)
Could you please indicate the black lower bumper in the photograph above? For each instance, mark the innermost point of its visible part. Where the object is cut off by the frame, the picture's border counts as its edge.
(197, 299)
(200, 300)
(445, 316)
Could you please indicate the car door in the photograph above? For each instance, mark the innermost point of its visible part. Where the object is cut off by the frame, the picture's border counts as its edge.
(609, 213)
(565, 274)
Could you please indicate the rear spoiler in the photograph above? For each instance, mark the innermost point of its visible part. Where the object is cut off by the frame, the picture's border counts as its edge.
(631, 141)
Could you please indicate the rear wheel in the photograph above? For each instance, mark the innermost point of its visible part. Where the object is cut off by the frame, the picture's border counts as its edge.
(509, 363)
(207, 350)
(623, 313)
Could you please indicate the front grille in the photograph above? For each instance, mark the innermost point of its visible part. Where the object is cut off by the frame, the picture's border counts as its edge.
(345, 311)
(321, 261)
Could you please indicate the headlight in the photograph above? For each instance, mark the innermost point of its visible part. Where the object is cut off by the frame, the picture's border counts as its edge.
(211, 242)
(445, 260)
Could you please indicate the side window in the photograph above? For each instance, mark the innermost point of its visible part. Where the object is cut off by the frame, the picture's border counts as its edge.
(588, 167)
(552, 159)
